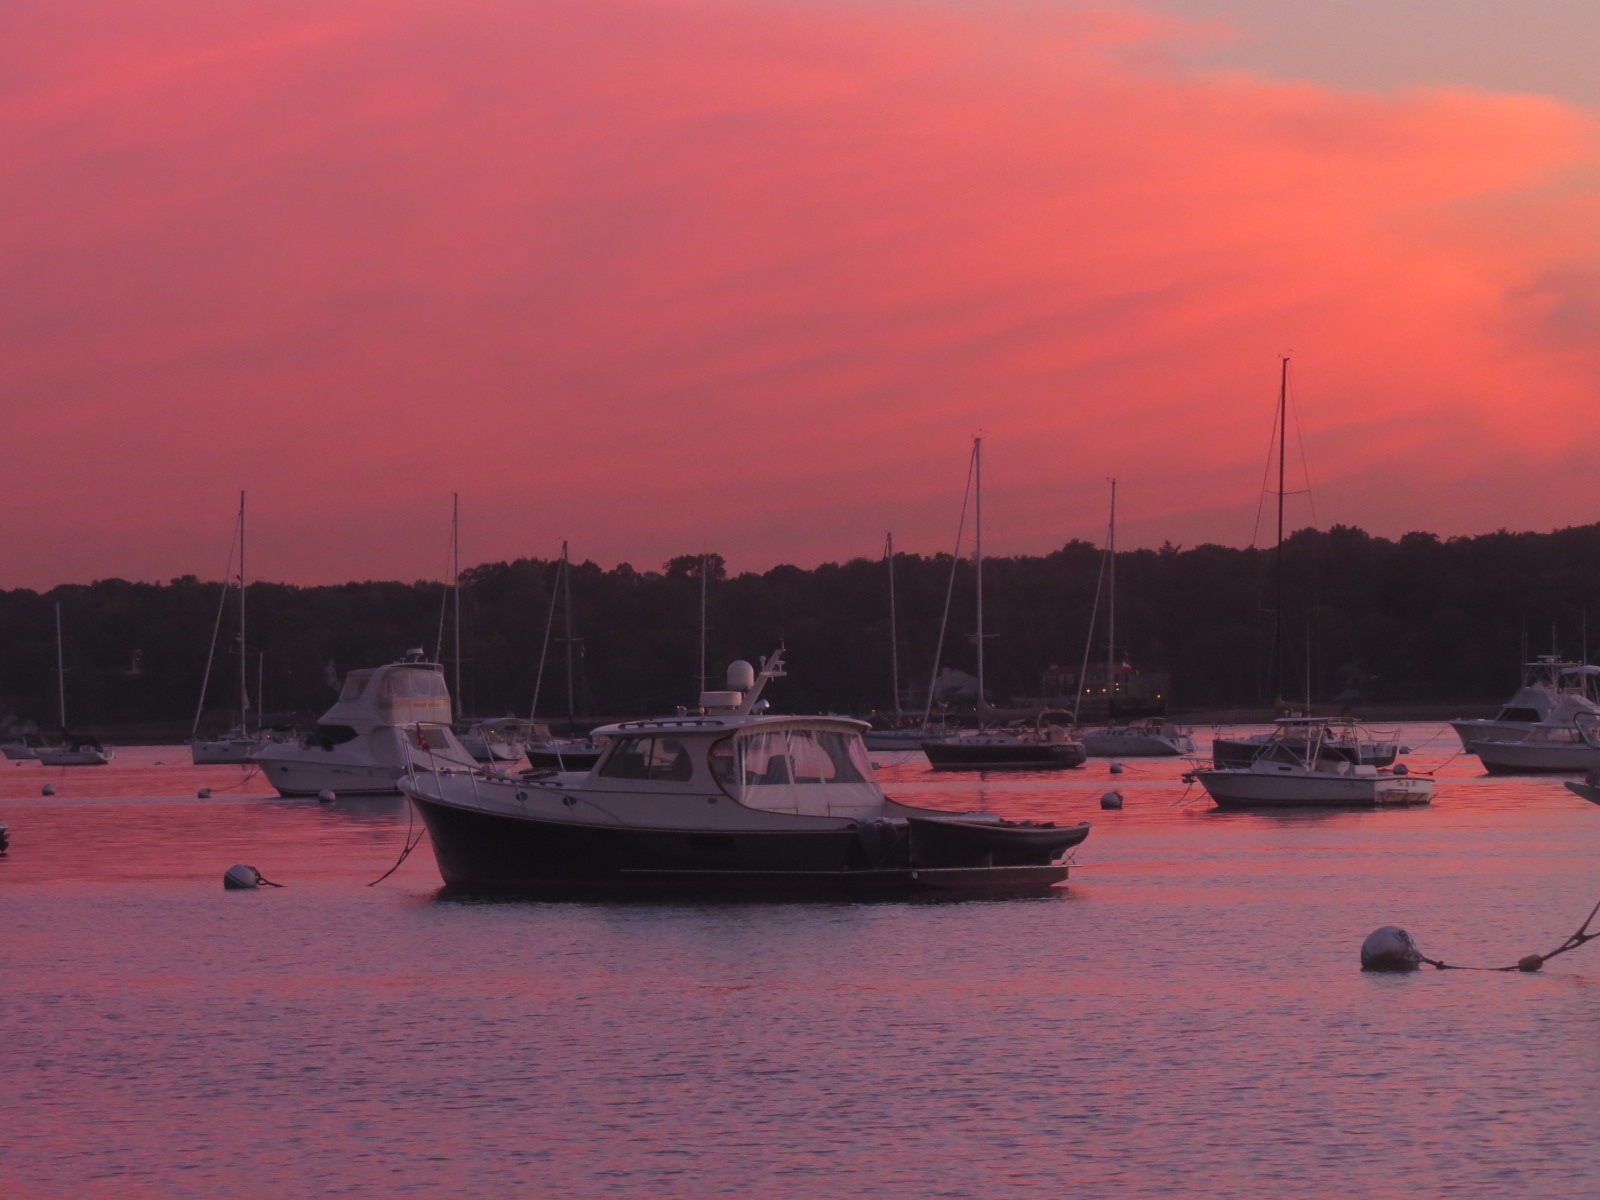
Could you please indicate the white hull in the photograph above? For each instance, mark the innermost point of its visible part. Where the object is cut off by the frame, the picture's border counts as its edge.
(307, 778)
(74, 758)
(1278, 784)
(1473, 732)
(1109, 743)
(1516, 757)
(225, 750)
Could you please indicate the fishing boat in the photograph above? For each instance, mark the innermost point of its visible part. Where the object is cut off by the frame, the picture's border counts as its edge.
(1304, 764)
(723, 799)
(239, 744)
(1546, 749)
(1553, 693)
(1047, 744)
(1149, 738)
(75, 750)
(386, 721)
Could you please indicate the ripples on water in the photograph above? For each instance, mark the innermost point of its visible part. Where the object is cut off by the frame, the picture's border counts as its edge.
(1186, 1019)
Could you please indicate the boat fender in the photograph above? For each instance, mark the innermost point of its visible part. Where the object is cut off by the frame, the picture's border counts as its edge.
(204, 793)
(1111, 800)
(5, 837)
(49, 789)
(1116, 768)
(1401, 769)
(326, 797)
(1390, 948)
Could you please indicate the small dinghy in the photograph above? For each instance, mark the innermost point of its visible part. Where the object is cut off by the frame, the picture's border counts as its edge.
(722, 799)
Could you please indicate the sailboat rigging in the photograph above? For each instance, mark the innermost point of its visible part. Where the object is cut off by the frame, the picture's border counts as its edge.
(239, 743)
(73, 751)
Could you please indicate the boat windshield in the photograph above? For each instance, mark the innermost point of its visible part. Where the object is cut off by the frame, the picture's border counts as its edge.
(817, 772)
(654, 758)
(354, 684)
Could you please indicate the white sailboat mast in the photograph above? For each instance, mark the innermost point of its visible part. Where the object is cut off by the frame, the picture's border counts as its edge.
(455, 575)
(61, 673)
(894, 632)
(1111, 602)
(244, 660)
(977, 525)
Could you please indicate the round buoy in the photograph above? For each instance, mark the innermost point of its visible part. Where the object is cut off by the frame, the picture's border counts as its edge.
(5, 837)
(1111, 800)
(1390, 948)
(326, 797)
(241, 877)
(204, 793)
(1401, 769)
(1405, 749)
(48, 789)
(1116, 768)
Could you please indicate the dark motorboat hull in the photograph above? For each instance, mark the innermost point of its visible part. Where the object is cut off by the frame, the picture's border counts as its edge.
(954, 755)
(482, 851)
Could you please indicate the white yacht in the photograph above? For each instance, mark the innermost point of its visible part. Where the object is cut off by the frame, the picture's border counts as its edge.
(387, 720)
(495, 740)
(1553, 693)
(1305, 763)
(1150, 738)
(723, 798)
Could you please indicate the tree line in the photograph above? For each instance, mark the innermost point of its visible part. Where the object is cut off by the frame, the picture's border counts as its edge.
(1364, 618)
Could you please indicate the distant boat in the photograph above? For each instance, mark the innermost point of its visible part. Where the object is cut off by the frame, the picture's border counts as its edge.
(1547, 748)
(725, 799)
(387, 721)
(1553, 693)
(1149, 738)
(23, 748)
(1046, 746)
(239, 743)
(1303, 764)
(547, 752)
(75, 750)
(496, 739)
(1358, 746)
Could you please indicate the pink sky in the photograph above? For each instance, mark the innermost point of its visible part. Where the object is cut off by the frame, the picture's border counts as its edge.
(663, 277)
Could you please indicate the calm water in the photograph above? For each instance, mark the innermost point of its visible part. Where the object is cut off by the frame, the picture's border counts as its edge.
(1186, 1019)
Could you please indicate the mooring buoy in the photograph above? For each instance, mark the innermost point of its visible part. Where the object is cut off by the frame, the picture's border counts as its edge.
(5, 837)
(204, 793)
(241, 877)
(326, 797)
(1116, 768)
(1390, 948)
(48, 789)
(1111, 800)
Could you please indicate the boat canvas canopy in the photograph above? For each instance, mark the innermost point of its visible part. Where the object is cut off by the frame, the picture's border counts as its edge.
(809, 772)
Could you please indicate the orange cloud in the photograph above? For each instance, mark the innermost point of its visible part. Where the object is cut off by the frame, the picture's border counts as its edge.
(658, 276)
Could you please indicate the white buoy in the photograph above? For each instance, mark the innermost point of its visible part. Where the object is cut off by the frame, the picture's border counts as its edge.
(204, 793)
(1116, 768)
(1111, 800)
(241, 877)
(49, 789)
(1390, 948)
(326, 797)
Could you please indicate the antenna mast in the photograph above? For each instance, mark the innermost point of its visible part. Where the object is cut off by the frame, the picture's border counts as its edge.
(977, 555)
(894, 633)
(244, 660)
(1277, 611)
(455, 575)
(1111, 603)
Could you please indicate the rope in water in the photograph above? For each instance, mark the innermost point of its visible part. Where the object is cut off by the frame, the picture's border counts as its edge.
(411, 844)
(1532, 962)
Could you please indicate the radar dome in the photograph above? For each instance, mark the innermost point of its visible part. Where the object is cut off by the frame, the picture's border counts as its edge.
(741, 676)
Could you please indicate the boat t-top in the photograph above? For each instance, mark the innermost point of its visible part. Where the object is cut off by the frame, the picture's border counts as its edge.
(723, 797)
(1306, 762)
(1554, 692)
(386, 721)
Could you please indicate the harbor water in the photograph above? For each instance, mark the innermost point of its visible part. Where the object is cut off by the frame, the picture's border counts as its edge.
(1185, 1018)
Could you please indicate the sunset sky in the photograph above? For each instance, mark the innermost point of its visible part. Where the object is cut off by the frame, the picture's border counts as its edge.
(662, 276)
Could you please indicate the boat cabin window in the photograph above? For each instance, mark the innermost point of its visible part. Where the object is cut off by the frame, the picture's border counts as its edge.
(653, 758)
(328, 736)
(429, 737)
(354, 684)
(415, 685)
(722, 763)
(802, 756)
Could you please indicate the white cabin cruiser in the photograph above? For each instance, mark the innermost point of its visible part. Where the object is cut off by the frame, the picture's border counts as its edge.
(387, 721)
(501, 739)
(1306, 763)
(1150, 738)
(722, 799)
(1553, 694)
